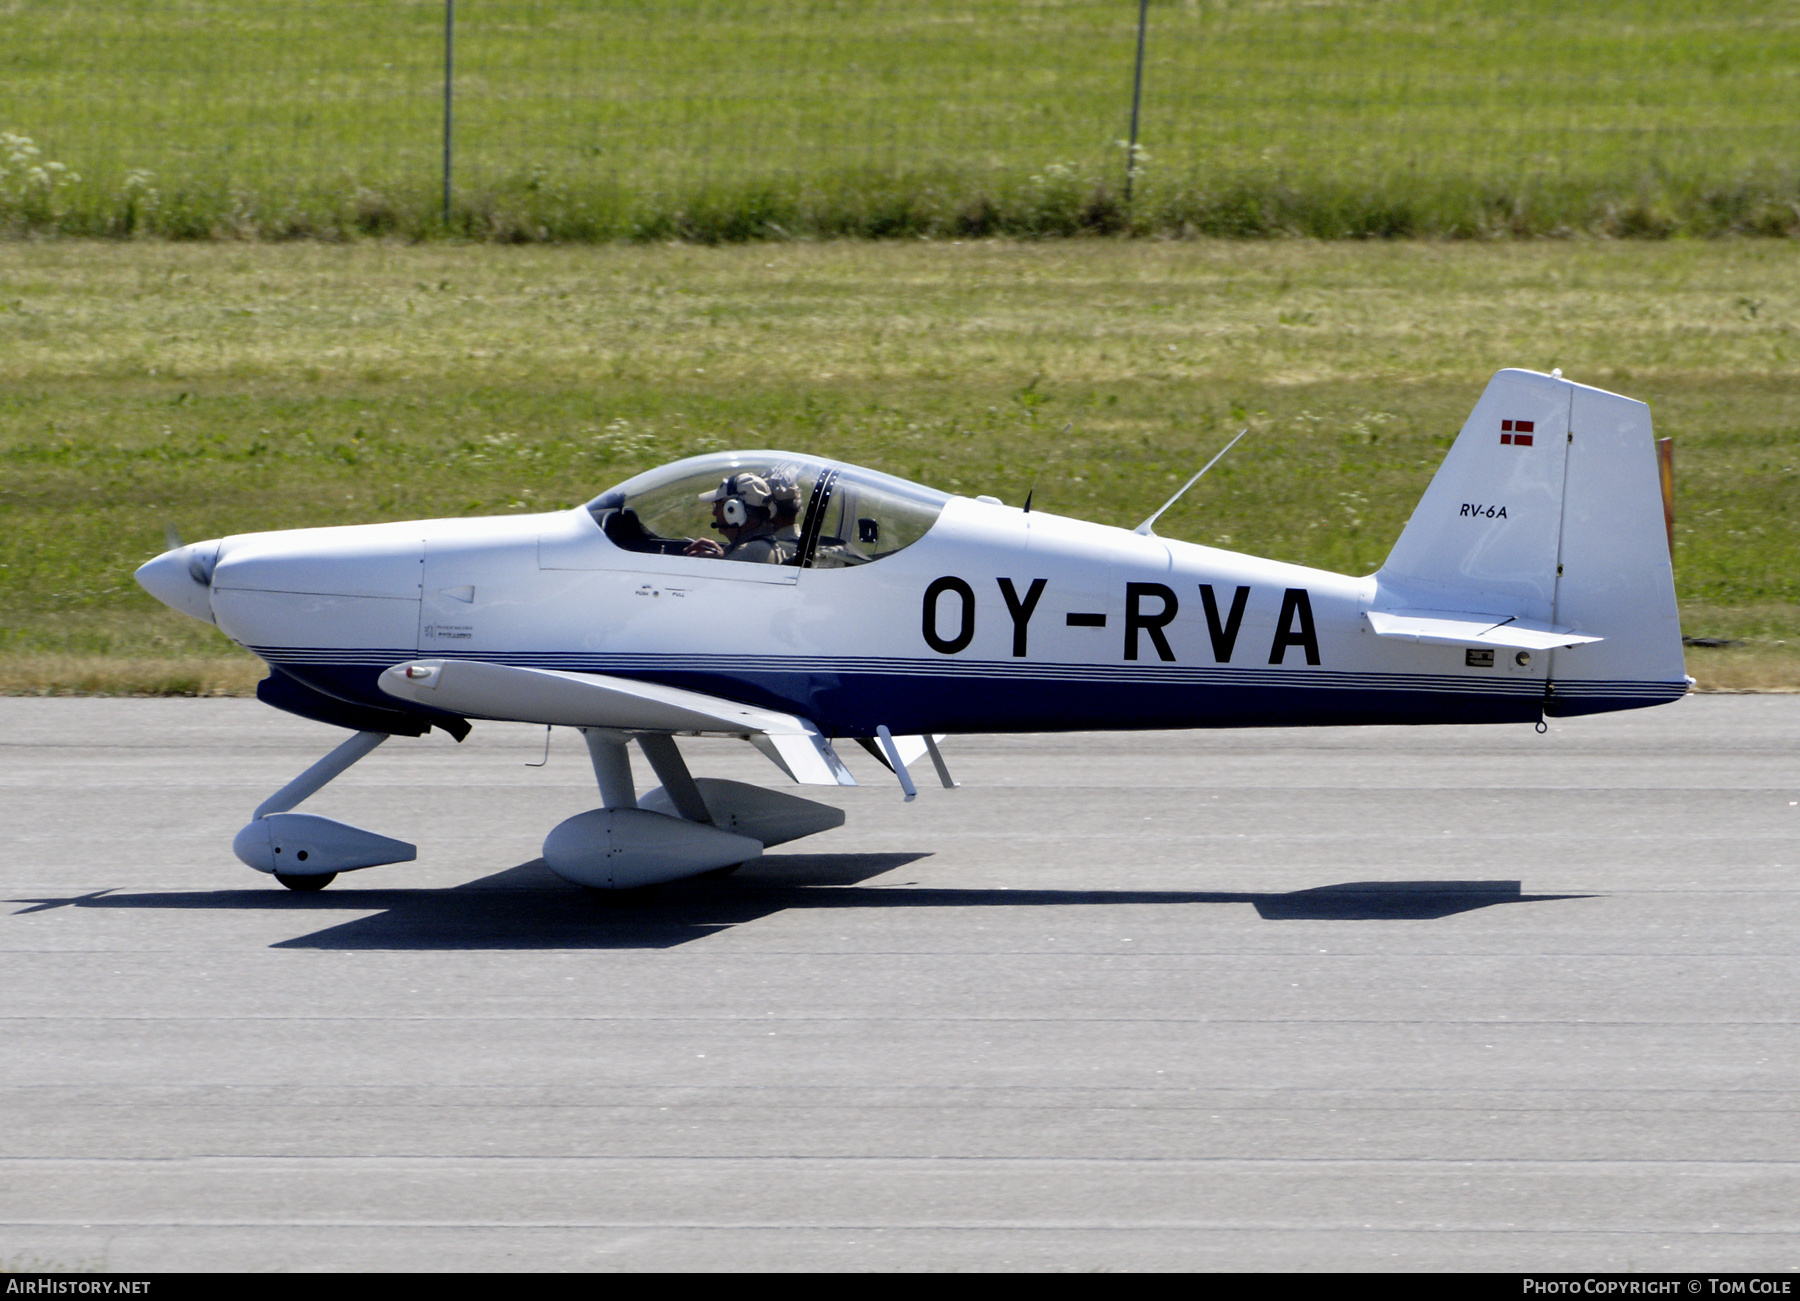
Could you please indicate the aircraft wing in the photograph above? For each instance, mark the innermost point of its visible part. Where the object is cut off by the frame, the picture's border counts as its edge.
(475, 689)
(1461, 628)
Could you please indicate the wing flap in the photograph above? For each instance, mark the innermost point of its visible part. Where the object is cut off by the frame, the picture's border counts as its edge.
(808, 759)
(1462, 628)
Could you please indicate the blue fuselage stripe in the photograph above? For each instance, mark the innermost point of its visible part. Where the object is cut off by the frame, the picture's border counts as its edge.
(852, 696)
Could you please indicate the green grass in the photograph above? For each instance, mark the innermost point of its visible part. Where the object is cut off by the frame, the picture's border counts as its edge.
(729, 120)
(227, 388)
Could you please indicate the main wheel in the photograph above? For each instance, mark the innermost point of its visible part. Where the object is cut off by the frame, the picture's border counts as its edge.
(306, 884)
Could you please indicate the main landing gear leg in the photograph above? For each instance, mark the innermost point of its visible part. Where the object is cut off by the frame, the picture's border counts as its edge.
(682, 791)
(612, 767)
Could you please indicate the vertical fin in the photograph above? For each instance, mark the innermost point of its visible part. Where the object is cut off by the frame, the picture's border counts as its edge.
(1490, 522)
(1548, 508)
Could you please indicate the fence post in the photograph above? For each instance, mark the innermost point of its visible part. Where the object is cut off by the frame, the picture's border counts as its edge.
(1137, 93)
(449, 82)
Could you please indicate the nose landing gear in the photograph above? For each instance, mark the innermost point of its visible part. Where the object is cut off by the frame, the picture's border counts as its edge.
(305, 852)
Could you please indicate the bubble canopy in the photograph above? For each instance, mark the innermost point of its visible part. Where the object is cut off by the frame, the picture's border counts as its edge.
(824, 514)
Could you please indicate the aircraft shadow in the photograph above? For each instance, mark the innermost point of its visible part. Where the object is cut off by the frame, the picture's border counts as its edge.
(529, 907)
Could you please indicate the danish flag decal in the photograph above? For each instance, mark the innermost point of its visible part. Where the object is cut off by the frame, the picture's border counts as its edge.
(1516, 432)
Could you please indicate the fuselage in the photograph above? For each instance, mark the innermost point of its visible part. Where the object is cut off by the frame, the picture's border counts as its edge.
(994, 620)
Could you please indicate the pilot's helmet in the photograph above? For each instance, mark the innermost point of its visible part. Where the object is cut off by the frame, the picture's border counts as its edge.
(742, 492)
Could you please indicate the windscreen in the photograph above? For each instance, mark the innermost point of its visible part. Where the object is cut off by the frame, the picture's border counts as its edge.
(864, 516)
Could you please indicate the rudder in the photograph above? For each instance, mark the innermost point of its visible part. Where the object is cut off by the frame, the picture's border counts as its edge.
(1617, 578)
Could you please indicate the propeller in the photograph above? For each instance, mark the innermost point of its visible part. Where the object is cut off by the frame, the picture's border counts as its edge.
(200, 563)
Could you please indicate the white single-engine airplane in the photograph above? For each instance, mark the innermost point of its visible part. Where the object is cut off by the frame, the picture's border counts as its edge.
(836, 603)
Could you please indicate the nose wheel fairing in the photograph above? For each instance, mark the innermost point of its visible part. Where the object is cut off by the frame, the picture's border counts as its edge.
(305, 844)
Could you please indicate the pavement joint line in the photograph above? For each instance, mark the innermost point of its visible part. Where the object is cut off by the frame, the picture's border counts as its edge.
(1706, 1165)
(751, 1019)
(935, 1226)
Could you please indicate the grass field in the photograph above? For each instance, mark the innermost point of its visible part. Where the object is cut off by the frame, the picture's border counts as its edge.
(729, 120)
(220, 388)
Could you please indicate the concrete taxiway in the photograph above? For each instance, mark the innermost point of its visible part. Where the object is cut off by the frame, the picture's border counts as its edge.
(1466, 998)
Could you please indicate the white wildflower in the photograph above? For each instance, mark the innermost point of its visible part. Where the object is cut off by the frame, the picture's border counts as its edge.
(23, 173)
(1139, 157)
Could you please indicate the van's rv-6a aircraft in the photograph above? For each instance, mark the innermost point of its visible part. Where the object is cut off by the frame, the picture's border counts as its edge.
(836, 603)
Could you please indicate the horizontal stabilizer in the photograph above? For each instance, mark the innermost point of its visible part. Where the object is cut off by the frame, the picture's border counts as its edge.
(1458, 628)
(504, 691)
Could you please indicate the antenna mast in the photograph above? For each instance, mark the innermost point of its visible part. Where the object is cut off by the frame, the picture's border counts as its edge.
(1145, 528)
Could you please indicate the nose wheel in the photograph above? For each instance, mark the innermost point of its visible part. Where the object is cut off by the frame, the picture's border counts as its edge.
(306, 884)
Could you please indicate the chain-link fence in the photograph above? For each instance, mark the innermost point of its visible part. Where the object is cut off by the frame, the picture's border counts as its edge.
(722, 119)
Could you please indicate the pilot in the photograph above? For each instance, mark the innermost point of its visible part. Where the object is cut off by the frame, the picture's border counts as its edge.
(741, 513)
(784, 512)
